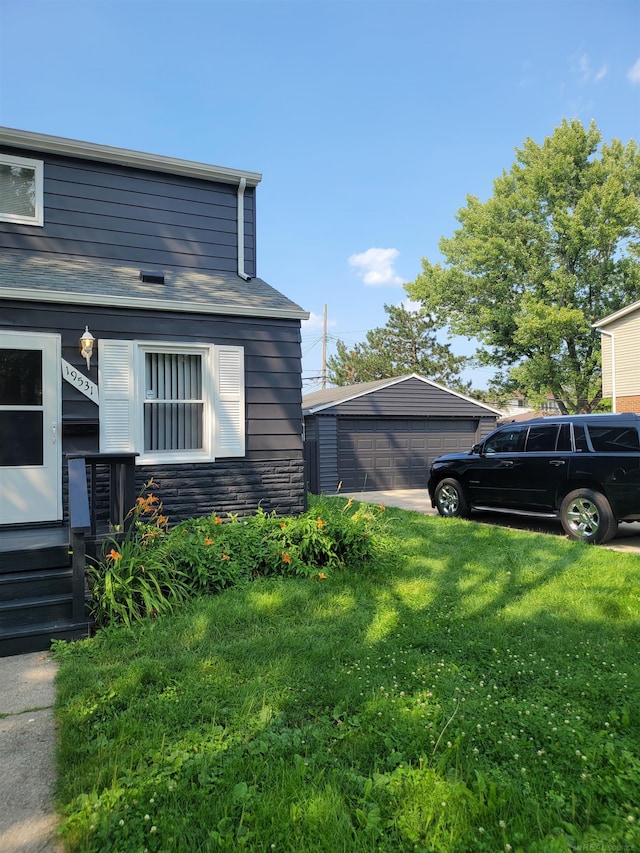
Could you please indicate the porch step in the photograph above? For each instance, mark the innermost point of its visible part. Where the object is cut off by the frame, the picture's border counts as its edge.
(37, 638)
(36, 590)
(41, 609)
(54, 581)
(27, 550)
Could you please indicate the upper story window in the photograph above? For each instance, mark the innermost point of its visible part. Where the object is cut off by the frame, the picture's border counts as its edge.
(21, 193)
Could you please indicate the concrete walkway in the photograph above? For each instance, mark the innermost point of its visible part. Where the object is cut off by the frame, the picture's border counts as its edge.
(27, 754)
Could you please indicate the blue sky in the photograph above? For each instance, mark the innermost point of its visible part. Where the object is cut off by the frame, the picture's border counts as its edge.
(370, 120)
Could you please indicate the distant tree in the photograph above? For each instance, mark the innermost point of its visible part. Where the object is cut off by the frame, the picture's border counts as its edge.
(406, 344)
(553, 250)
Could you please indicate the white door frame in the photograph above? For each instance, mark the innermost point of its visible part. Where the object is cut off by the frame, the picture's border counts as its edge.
(33, 493)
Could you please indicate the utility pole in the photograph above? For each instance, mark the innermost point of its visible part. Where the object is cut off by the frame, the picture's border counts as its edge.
(324, 349)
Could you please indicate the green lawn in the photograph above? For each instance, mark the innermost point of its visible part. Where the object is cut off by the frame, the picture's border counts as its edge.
(476, 690)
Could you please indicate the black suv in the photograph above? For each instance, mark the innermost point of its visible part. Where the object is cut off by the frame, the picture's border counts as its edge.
(582, 469)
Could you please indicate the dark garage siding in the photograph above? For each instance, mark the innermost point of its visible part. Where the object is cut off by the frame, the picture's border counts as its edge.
(396, 453)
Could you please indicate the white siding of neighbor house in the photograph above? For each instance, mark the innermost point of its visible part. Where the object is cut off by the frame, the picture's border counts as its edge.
(626, 333)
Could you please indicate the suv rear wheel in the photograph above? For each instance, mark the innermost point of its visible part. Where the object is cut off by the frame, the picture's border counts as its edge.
(586, 515)
(450, 499)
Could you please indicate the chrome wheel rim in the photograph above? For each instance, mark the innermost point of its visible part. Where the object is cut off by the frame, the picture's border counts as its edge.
(583, 518)
(448, 500)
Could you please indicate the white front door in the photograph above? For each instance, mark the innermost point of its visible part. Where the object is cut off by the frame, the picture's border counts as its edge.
(30, 455)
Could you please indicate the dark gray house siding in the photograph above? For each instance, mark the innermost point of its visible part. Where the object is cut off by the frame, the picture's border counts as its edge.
(384, 435)
(128, 215)
(110, 215)
(270, 474)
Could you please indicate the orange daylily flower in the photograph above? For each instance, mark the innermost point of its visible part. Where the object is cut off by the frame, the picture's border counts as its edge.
(321, 523)
(208, 540)
(217, 520)
(144, 505)
(283, 526)
(114, 554)
(286, 558)
(224, 557)
(322, 576)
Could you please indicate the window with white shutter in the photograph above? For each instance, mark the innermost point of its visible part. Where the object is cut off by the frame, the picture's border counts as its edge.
(172, 403)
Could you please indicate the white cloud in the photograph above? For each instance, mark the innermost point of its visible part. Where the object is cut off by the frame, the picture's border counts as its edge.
(602, 73)
(580, 64)
(633, 74)
(375, 267)
(315, 323)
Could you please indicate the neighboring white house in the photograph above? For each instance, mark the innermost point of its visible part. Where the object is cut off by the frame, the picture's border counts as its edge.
(519, 408)
(620, 342)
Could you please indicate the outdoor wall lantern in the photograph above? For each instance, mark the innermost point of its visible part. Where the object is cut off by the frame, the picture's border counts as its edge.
(86, 345)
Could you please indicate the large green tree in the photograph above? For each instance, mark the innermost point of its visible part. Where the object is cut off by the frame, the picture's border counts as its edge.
(528, 272)
(406, 344)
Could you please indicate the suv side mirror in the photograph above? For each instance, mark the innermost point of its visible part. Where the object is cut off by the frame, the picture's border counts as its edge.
(477, 448)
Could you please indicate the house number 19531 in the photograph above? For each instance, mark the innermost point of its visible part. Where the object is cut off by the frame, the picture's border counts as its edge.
(74, 377)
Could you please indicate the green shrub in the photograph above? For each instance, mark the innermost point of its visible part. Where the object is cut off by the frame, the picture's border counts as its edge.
(148, 570)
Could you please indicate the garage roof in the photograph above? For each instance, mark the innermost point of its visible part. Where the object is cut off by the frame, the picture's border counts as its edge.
(319, 401)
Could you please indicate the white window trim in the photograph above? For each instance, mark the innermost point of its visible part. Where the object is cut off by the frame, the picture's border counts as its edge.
(121, 389)
(38, 167)
(170, 456)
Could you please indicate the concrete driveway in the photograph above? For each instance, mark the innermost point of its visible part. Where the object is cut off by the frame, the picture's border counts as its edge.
(627, 538)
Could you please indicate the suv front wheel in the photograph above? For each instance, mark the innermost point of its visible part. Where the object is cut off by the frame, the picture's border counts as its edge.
(450, 499)
(586, 515)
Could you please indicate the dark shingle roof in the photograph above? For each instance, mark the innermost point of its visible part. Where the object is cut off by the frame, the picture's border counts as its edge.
(46, 278)
(319, 400)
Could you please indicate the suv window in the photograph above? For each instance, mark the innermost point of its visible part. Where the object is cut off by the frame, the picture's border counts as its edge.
(542, 438)
(580, 438)
(613, 439)
(564, 438)
(510, 440)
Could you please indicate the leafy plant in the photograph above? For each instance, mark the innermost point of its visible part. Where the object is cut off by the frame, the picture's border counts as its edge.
(135, 578)
(146, 570)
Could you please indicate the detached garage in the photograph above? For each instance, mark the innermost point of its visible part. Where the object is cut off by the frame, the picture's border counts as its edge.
(384, 434)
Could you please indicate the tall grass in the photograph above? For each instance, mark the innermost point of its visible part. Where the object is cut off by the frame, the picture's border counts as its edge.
(478, 693)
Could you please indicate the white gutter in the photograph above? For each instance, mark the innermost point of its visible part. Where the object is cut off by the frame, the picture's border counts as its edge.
(240, 216)
(613, 368)
(124, 157)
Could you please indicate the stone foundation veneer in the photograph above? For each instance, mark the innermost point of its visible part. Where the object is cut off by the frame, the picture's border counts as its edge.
(233, 487)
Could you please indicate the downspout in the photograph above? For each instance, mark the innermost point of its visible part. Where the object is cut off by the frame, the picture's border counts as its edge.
(240, 229)
(613, 368)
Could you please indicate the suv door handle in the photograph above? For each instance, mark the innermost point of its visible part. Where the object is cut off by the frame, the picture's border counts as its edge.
(506, 463)
(557, 462)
